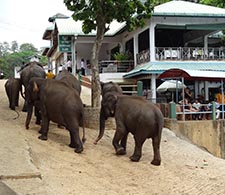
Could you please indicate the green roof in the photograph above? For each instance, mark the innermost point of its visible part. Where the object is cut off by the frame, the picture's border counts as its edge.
(159, 67)
(188, 9)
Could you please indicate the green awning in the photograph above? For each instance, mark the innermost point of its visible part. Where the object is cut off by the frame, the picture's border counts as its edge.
(159, 67)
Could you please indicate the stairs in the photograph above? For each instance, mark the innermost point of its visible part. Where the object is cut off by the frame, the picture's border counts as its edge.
(85, 81)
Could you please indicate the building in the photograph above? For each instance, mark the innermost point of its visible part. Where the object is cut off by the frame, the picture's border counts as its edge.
(179, 34)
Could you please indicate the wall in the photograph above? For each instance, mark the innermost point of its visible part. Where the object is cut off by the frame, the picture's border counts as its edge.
(207, 134)
(91, 119)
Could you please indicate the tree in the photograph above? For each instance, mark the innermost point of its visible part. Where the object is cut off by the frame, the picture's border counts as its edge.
(14, 46)
(28, 47)
(216, 3)
(11, 56)
(97, 15)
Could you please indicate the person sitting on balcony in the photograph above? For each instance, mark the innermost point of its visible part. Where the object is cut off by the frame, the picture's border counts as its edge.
(187, 107)
(197, 107)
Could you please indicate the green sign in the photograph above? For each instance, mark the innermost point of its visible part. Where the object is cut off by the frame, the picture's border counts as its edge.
(65, 43)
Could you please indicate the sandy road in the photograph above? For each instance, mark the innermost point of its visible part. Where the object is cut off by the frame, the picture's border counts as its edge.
(185, 169)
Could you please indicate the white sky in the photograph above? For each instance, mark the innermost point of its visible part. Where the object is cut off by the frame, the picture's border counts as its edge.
(25, 21)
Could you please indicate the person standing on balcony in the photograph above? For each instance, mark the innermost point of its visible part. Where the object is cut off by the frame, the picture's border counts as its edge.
(82, 66)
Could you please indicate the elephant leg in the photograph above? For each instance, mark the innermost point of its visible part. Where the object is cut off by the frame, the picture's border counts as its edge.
(138, 148)
(156, 149)
(120, 150)
(38, 116)
(124, 141)
(44, 128)
(24, 107)
(72, 140)
(75, 141)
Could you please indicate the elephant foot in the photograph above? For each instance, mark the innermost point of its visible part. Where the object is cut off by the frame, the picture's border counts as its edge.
(24, 110)
(78, 150)
(38, 122)
(120, 151)
(156, 162)
(40, 131)
(43, 137)
(72, 145)
(135, 158)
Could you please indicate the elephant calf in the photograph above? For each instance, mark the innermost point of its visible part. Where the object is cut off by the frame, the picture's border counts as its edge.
(109, 88)
(138, 116)
(12, 88)
(58, 103)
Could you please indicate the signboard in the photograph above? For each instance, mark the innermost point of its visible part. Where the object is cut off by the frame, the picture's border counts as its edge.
(65, 43)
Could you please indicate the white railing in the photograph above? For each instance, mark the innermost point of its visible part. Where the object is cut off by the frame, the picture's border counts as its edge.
(182, 53)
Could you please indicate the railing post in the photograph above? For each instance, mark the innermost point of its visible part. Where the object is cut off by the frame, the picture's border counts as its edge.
(139, 88)
(213, 110)
(172, 110)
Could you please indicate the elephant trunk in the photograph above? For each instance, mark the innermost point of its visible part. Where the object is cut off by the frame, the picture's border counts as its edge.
(102, 126)
(29, 115)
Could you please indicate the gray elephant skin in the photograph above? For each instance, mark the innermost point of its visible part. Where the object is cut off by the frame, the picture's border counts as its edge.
(12, 88)
(109, 88)
(139, 117)
(69, 79)
(58, 103)
(32, 69)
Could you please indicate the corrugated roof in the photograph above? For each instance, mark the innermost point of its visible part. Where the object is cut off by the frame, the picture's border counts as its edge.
(71, 27)
(184, 8)
(159, 67)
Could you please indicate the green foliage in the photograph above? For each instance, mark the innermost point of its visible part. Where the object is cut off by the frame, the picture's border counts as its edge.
(216, 3)
(121, 56)
(11, 55)
(28, 47)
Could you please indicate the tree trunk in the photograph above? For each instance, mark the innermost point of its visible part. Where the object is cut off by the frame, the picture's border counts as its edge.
(96, 87)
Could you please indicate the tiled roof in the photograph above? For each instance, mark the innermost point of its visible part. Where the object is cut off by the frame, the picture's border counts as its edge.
(159, 67)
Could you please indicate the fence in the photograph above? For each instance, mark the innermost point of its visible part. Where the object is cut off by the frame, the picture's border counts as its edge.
(174, 113)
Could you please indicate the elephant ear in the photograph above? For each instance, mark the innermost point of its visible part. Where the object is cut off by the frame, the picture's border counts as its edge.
(35, 88)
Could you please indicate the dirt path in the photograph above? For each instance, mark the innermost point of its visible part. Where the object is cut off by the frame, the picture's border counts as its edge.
(185, 169)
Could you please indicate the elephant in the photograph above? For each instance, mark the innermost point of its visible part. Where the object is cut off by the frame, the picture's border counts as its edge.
(69, 79)
(109, 88)
(138, 116)
(58, 103)
(12, 88)
(32, 69)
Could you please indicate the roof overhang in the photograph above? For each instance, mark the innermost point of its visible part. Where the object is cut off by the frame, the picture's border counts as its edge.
(215, 26)
(158, 67)
(203, 75)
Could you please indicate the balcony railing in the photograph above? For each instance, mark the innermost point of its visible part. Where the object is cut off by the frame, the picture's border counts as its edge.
(183, 53)
(114, 66)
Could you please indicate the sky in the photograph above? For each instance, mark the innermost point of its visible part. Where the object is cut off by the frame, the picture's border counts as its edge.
(25, 21)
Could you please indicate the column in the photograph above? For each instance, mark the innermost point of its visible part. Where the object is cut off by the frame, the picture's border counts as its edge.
(135, 49)
(153, 87)
(152, 41)
(206, 90)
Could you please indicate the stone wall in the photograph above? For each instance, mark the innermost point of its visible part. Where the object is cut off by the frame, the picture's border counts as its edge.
(91, 119)
(207, 134)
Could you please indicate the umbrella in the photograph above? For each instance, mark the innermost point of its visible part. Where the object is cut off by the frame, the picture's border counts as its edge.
(170, 85)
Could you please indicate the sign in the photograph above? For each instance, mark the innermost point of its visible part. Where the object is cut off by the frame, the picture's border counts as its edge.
(65, 43)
